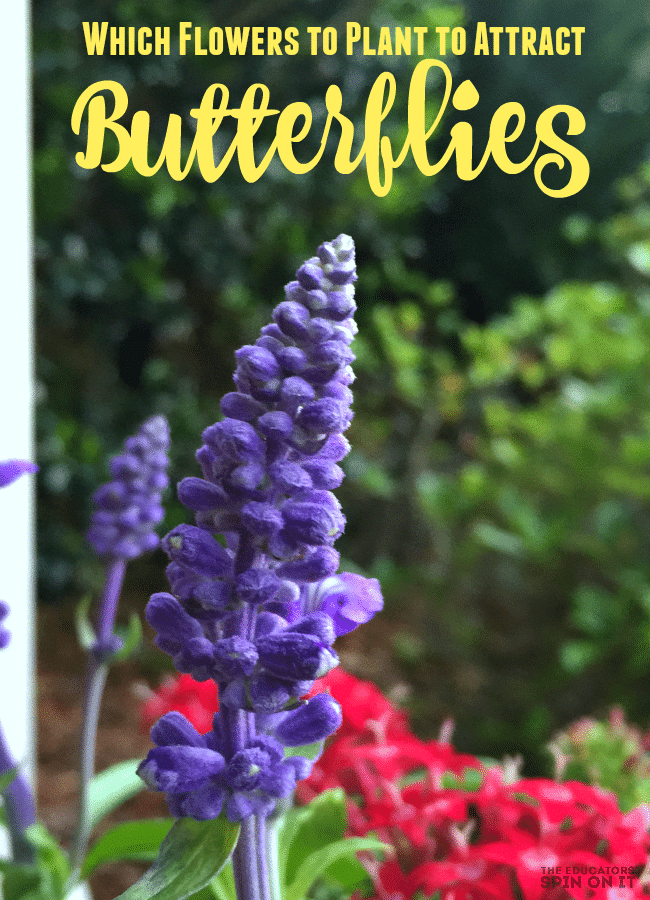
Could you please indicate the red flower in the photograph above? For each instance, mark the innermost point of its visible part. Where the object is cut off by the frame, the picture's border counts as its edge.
(196, 700)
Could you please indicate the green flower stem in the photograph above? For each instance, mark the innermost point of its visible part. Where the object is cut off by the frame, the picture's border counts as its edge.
(273, 825)
(95, 681)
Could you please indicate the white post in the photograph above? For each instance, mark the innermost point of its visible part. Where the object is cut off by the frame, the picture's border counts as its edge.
(16, 392)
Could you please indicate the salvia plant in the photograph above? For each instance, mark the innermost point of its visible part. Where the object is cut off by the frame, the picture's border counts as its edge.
(254, 607)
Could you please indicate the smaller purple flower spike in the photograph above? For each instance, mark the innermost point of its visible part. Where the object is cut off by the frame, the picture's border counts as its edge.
(12, 469)
(128, 508)
(349, 600)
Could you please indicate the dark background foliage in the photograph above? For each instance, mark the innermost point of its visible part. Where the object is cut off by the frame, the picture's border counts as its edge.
(498, 478)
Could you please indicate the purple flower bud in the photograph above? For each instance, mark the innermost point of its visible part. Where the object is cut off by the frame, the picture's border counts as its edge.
(318, 624)
(335, 448)
(257, 586)
(289, 477)
(180, 769)
(174, 728)
(310, 275)
(312, 523)
(237, 441)
(320, 329)
(332, 355)
(319, 564)
(246, 478)
(268, 623)
(292, 318)
(324, 416)
(234, 657)
(238, 405)
(180, 635)
(258, 363)
(295, 391)
(295, 656)
(276, 425)
(197, 550)
(340, 304)
(292, 359)
(201, 495)
(202, 805)
(324, 474)
(261, 518)
(270, 694)
(314, 721)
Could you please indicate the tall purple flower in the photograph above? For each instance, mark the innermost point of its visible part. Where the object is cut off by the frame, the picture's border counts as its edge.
(245, 608)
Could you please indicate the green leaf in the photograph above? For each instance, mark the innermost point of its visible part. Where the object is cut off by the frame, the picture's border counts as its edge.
(189, 858)
(83, 626)
(310, 828)
(129, 840)
(222, 886)
(43, 880)
(318, 862)
(20, 882)
(52, 864)
(111, 788)
(313, 828)
(132, 637)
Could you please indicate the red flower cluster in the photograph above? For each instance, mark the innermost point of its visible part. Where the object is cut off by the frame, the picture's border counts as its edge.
(458, 828)
(196, 700)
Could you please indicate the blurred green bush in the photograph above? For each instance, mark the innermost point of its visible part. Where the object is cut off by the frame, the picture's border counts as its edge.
(509, 465)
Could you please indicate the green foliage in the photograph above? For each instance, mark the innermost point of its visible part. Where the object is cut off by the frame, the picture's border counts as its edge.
(45, 879)
(611, 754)
(190, 856)
(518, 460)
(138, 840)
(113, 787)
(313, 846)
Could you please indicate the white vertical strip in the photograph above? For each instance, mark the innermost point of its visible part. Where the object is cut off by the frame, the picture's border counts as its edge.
(16, 387)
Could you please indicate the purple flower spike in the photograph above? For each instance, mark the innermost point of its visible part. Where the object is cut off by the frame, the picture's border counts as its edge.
(128, 508)
(12, 469)
(254, 601)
